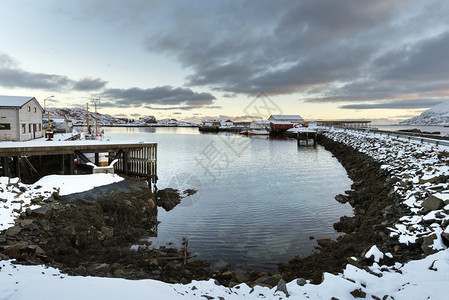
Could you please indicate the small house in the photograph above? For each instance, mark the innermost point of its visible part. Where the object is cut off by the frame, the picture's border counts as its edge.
(20, 118)
(286, 118)
(226, 123)
(260, 124)
(211, 123)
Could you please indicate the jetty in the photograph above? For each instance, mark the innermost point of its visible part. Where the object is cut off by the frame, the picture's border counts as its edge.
(132, 159)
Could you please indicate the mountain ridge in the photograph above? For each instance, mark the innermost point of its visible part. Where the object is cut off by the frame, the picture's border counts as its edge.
(436, 116)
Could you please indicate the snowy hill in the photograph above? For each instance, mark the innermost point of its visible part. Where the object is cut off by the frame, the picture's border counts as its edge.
(78, 117)
(437, 115)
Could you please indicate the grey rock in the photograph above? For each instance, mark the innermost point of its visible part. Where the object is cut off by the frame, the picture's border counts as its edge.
(282, 287)
(445, 238)
(301, 281)
(427, 243)
(432, 203)
(41, 212)
(13, 231)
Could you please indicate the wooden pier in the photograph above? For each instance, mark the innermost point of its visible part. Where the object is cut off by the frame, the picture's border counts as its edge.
(131, 159)
(305, 137)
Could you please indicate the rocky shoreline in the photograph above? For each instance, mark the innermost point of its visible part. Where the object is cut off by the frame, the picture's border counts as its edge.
(85, 234)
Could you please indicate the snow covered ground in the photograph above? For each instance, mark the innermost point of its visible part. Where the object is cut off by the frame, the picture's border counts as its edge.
(419, 171)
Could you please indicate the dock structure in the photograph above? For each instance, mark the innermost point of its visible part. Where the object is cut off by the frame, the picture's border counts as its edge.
(306, 136)
(345, 124)
(131, 159)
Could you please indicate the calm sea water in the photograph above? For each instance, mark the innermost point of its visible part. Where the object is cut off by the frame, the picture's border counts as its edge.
(258, 202)
(443, 130)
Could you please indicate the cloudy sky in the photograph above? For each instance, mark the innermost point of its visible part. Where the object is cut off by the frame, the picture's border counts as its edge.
(383, 60)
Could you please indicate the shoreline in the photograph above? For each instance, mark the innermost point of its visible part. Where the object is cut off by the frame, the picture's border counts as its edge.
(376, 208)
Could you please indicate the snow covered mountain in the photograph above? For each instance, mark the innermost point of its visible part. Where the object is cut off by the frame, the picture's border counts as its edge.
(78, 117)
(437, 116)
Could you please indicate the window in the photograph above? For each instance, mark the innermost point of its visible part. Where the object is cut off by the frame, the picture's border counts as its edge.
(34, 109)
(24, 128)
(39, 127)
(5, 126)
(29, 108)
(29, 128)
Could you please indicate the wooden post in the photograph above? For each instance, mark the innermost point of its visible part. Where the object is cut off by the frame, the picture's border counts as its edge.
(5, 166)
(97, 159)
(71, 164)
(16, 160)
(125, 162)
(61, 164)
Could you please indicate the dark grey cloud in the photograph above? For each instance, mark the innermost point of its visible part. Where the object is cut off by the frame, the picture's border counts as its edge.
(168, 96)
(12, 76)
(330, 51)
(90, 84)
(398, 104)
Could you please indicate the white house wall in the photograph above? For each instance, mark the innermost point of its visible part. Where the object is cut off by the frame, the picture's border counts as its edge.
(30, 113)
(9, 116)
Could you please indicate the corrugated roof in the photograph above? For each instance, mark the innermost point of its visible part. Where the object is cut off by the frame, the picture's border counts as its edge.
(13, 101)
(287, 117)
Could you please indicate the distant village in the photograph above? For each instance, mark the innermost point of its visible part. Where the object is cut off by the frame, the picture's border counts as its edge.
(23, 119)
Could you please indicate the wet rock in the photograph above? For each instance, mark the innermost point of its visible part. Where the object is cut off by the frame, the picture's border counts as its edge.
(15, 250)
(41, 212)
(327, 243)
(432, 203)
(342, 198)
(267, 281)
(240, 277)
(168, 198)
(26, 222)
(13, 231)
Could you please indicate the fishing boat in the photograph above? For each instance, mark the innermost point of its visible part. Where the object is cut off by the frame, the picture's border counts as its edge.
(258, 132)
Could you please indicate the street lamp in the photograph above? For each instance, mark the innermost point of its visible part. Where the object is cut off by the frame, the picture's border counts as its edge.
(48, 131)
(45, 100)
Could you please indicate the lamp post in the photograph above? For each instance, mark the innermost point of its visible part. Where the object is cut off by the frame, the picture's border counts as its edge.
(48, 130)
(45, 100)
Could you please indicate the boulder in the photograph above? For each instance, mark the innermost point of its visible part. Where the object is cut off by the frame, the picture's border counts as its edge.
(13, 231)
(445, 238)
(342, 198)
(41, 212)
(282, 287)
(432, 203)
(301, 281)
(427, 243)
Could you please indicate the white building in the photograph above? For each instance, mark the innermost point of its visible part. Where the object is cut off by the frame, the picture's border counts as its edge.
(286, 118)
(226, 123)
(20, 118)
(260, 124)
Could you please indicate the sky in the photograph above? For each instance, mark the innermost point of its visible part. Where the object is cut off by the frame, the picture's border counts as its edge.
(384, 60)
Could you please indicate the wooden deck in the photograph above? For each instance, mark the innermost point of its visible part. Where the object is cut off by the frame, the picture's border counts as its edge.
(132, 159)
